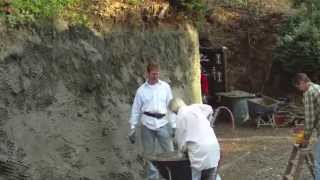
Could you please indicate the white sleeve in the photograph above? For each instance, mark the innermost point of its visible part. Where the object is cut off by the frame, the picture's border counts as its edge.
(206, 110)
(180, 134)
(172, 119)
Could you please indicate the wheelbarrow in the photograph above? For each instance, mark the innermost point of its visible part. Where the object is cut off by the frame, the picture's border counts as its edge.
(172, 165)
(176, 165)
(262, 110)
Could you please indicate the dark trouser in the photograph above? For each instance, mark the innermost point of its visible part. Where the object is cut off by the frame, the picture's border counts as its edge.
(207, 174)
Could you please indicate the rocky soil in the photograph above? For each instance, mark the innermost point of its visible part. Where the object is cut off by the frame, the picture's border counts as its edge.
(255, 154)
(66, 92)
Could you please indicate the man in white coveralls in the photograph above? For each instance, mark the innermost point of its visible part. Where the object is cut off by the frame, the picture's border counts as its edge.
(196, 137)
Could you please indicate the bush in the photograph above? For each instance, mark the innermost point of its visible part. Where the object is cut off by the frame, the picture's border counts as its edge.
(135, 2)
(32, 10)
(299, 47)
(189, 6)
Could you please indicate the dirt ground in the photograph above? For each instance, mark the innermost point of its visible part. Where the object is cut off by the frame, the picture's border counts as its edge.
(255, 154)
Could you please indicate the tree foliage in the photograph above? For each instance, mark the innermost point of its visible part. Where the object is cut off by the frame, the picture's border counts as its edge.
(299, 47)
(33, 10)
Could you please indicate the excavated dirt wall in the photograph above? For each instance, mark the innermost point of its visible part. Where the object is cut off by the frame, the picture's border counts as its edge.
(65, 96)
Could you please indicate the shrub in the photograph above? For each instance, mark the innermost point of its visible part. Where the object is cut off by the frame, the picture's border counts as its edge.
(299, 46)
(189, 6)
(32, 10)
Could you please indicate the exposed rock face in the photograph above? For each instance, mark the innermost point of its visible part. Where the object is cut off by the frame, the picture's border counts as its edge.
(65, 96)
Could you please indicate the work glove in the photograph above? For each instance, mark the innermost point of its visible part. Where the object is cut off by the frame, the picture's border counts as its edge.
(304, 144)
(184, 151)
(175, 145)
(132, 136)
(173, 132)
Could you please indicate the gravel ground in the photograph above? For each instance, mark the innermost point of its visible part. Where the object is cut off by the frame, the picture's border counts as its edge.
(255, 154)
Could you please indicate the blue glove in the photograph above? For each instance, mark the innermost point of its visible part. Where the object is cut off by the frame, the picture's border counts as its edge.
(173, 132)
(132, 136)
